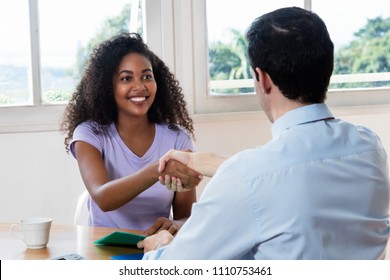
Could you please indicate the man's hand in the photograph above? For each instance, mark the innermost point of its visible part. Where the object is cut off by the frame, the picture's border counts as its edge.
(155, 241)
(201, 162)
(177, 176)
(162, 224)
(183, 156)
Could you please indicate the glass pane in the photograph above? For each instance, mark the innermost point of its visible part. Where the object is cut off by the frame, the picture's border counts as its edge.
(70, 30)
(360, 31)
(14, 53)
(226, 24)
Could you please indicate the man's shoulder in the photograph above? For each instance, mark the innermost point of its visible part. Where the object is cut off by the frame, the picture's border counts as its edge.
(256, 160)
(359, 136)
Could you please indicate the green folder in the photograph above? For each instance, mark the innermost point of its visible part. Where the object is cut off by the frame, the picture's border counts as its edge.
(119, 238)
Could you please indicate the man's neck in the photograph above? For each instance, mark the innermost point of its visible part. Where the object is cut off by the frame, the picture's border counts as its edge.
(285, 105)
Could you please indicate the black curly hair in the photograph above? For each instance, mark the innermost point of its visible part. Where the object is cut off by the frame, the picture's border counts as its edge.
(94, 100)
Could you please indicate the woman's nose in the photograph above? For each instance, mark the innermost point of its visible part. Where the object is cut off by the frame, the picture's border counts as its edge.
(138, 85)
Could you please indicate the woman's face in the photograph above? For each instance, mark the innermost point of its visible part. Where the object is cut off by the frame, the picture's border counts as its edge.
(134, 85)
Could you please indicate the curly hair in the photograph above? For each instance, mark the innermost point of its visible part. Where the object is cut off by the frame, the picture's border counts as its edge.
(93, 98)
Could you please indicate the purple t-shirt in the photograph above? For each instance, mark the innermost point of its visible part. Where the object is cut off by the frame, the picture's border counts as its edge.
(120, 161)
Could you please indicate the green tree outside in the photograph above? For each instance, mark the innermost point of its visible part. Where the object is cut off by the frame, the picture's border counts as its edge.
(368, 53)
(230, 62)
(110, 27)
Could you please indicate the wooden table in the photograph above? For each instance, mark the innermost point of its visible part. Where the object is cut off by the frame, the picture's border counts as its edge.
(68, 239)
(64, 239)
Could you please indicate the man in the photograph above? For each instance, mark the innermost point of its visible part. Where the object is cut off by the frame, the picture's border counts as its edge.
(318, 190)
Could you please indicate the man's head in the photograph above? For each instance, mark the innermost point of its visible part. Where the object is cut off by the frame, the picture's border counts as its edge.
(293, 47)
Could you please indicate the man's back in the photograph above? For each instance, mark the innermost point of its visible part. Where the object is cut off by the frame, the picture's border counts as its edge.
(318, 190)
(322, 190)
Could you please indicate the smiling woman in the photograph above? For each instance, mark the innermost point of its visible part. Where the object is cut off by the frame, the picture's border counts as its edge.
(134, 87)
(118, 124)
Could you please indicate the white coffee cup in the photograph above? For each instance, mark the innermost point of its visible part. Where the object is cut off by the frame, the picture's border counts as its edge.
(33, 231)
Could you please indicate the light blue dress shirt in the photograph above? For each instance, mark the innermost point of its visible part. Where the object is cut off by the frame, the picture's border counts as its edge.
(318, 190)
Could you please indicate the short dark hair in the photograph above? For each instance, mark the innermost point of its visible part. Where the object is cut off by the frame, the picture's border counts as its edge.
(293, 46)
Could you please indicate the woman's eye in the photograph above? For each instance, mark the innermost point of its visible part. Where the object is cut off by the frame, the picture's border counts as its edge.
(126, 78)
(148, 77)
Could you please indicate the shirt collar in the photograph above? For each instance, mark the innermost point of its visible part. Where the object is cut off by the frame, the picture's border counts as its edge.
(305, 114)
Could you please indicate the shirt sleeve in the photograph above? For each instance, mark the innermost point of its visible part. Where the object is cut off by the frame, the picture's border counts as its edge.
(84, 132)
(184, 141)
(222, 224)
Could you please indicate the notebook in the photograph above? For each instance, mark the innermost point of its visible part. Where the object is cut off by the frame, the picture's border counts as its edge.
(119, 238)
(128, 257)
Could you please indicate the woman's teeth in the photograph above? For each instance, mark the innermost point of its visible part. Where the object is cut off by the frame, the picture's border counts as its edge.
(138, 99)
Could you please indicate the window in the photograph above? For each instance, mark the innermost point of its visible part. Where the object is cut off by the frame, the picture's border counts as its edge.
(14, 53)
(229, 69)
(360, 31)
(45, 51)
(63, 51)
(361, 34)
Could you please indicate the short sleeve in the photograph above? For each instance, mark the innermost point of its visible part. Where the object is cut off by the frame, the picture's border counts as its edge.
(184, 141)
(84, 132)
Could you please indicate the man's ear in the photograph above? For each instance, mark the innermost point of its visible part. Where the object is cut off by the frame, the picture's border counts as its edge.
(256, 74)
(264, 79)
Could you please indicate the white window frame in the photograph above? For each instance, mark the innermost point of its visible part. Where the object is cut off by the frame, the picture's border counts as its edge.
(36, 117)
(176, 30)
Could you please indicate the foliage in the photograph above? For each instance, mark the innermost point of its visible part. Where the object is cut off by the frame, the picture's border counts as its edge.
(5, 100)
(222, 61)
(230, 61)
(55, 95)
(110, 28)
(369, 52)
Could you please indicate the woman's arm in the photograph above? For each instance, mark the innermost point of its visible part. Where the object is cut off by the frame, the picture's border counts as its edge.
(112, 194)
(182, 206)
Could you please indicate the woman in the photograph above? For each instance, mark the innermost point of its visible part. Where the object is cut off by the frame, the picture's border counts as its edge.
(128, 111)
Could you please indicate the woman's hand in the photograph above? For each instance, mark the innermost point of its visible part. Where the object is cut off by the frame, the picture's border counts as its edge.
(162, 224)
(155, 241)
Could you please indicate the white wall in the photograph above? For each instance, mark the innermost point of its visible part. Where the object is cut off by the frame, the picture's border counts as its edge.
(38, 178)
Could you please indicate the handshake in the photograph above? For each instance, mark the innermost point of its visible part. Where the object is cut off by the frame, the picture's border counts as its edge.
(183, 170)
